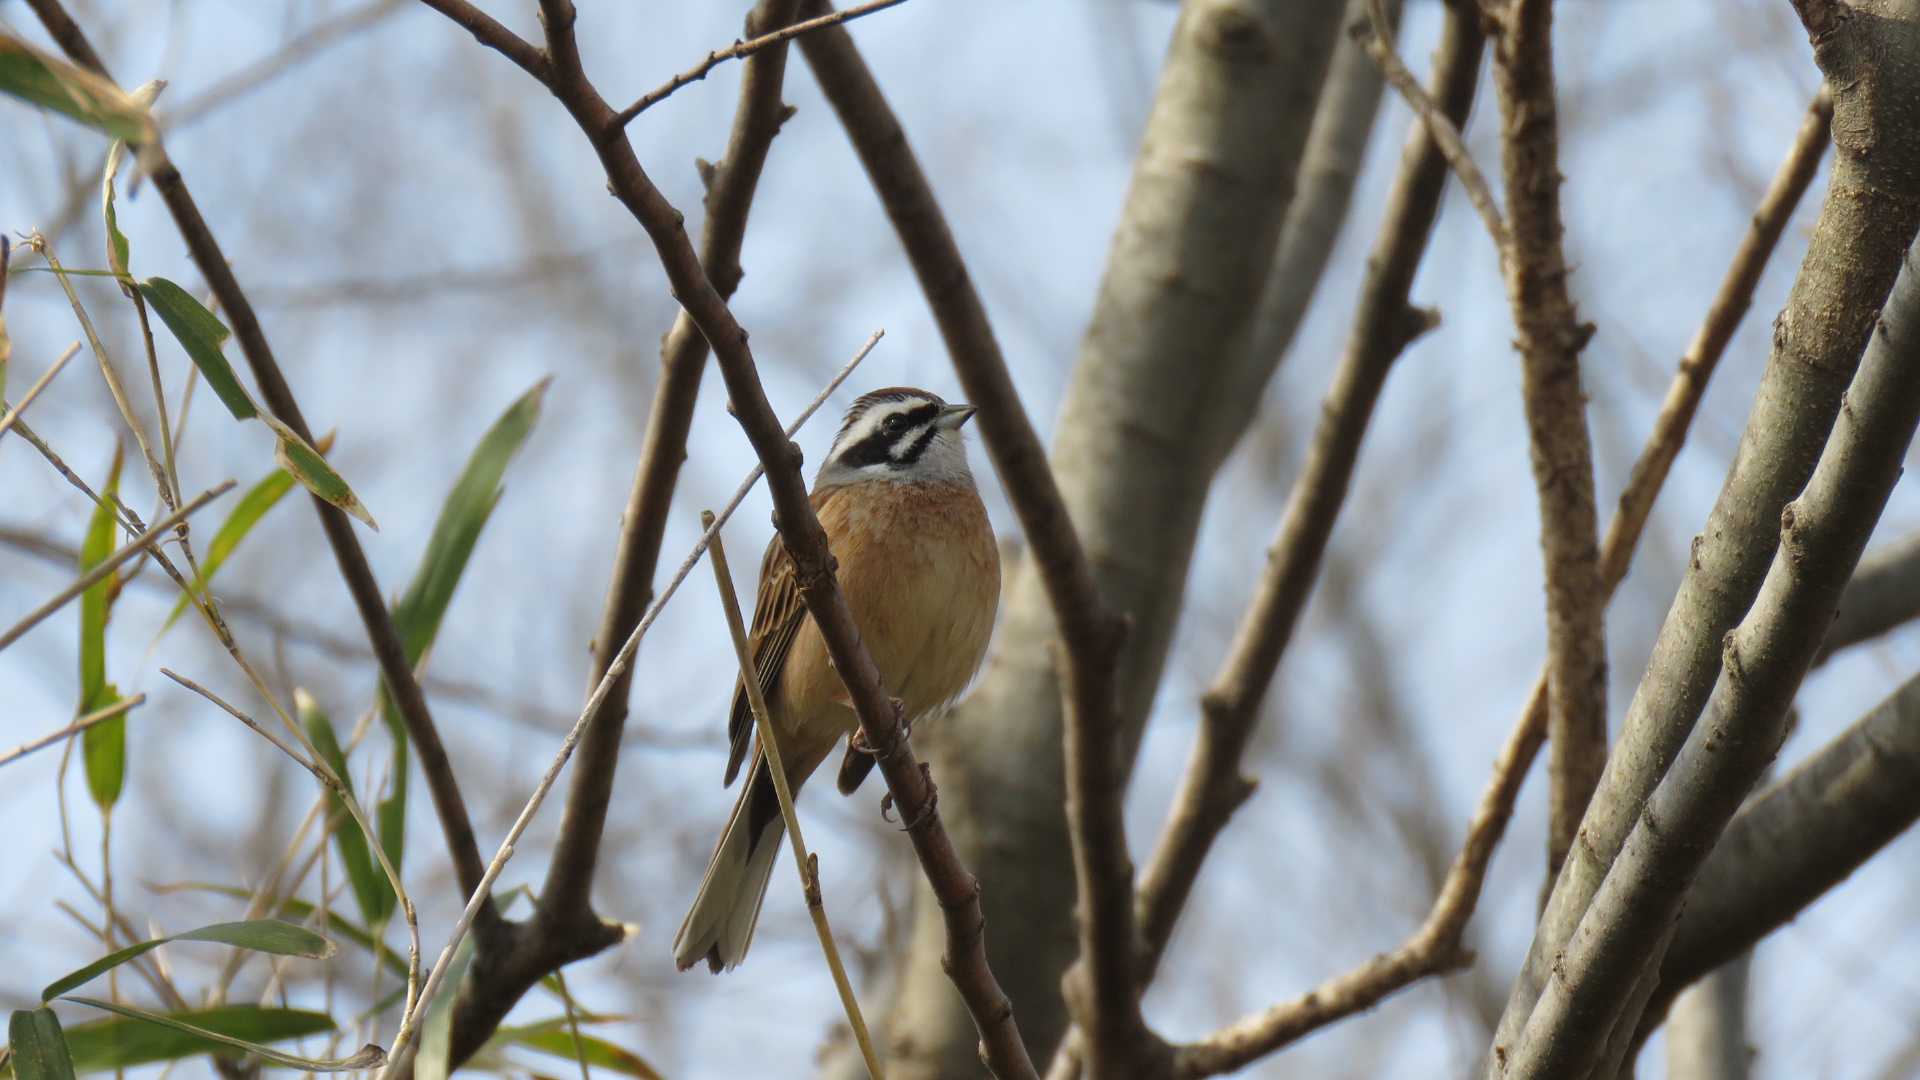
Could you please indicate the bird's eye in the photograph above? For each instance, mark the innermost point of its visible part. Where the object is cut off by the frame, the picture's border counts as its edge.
(893, 425)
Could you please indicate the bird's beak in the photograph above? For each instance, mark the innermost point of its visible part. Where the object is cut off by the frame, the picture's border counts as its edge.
(953, 416)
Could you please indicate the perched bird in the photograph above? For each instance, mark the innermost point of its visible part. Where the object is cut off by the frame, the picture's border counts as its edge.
(921, 574)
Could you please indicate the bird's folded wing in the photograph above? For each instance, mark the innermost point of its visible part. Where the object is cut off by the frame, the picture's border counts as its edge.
(777, 614)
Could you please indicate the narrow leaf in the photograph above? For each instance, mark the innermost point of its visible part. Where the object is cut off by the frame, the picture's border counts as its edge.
(39, 1050)
(418, 614)
(33, 76)
(118, 250)
(313, 472)
(104, 745)
(253, 506)
(370, 885)
(369, 1057)
(554, 1036)
(259, 935)
(114, 1043)
(202, 334)
(336, 924)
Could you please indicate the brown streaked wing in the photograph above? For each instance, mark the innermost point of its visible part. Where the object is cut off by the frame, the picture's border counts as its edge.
(777, 614)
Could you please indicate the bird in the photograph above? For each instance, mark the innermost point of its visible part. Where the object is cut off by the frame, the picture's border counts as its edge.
(920, 570)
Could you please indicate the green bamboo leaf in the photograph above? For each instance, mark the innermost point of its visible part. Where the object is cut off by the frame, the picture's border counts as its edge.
(118, 250)
(259, 935)
(421, 608)
(307, 466)
(253, 506)
(336, 924)
(555, 1037)
(202, 334)
(33, 76)
(37, 1047)
(104, 745)
(100, 1045)
(370, 885)
(369, 1057)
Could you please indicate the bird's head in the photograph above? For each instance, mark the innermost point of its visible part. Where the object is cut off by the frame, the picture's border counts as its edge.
(902, 435)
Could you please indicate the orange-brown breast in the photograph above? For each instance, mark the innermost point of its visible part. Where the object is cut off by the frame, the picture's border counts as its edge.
(921, 574)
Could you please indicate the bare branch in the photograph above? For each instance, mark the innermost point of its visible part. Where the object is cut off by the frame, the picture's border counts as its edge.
(683, 357)
(1384, 322)
(1432, 949)
(1441, 126)
(1550, 336)
(1822, 533)
(487, 31)
(1090, 633)
(747, 48)
(1697, 364)
(1856, 250)
(1800, 838)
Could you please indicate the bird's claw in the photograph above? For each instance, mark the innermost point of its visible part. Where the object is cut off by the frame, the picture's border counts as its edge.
(926, 811)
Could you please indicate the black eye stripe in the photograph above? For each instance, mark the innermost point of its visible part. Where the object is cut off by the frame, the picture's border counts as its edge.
(877, 448)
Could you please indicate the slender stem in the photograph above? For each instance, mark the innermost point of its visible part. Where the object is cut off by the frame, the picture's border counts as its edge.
(10, 413)
(118, 708)
(807, 866)
(746, 48)
(112, 563)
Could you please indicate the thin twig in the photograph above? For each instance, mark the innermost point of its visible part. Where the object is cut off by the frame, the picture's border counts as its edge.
(621, 660)
(118, 708)
(803, 863)
(565, 896)
(112, 563)
(746, 48)
(1446, 133)
(1433, 948)
(11, 413)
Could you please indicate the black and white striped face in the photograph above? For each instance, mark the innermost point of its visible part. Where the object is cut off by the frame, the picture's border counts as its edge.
(899, 434)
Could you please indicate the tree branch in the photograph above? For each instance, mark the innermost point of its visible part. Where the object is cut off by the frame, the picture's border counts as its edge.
(1132, 390)
(1432, 949)
(1550, 336)
(442, 784)
(1799, 839)
(747, 48)
(1822, 533)
(1384, 323)
(1090, 632)
(805, 541)
(1855, 251)
(683, 357)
